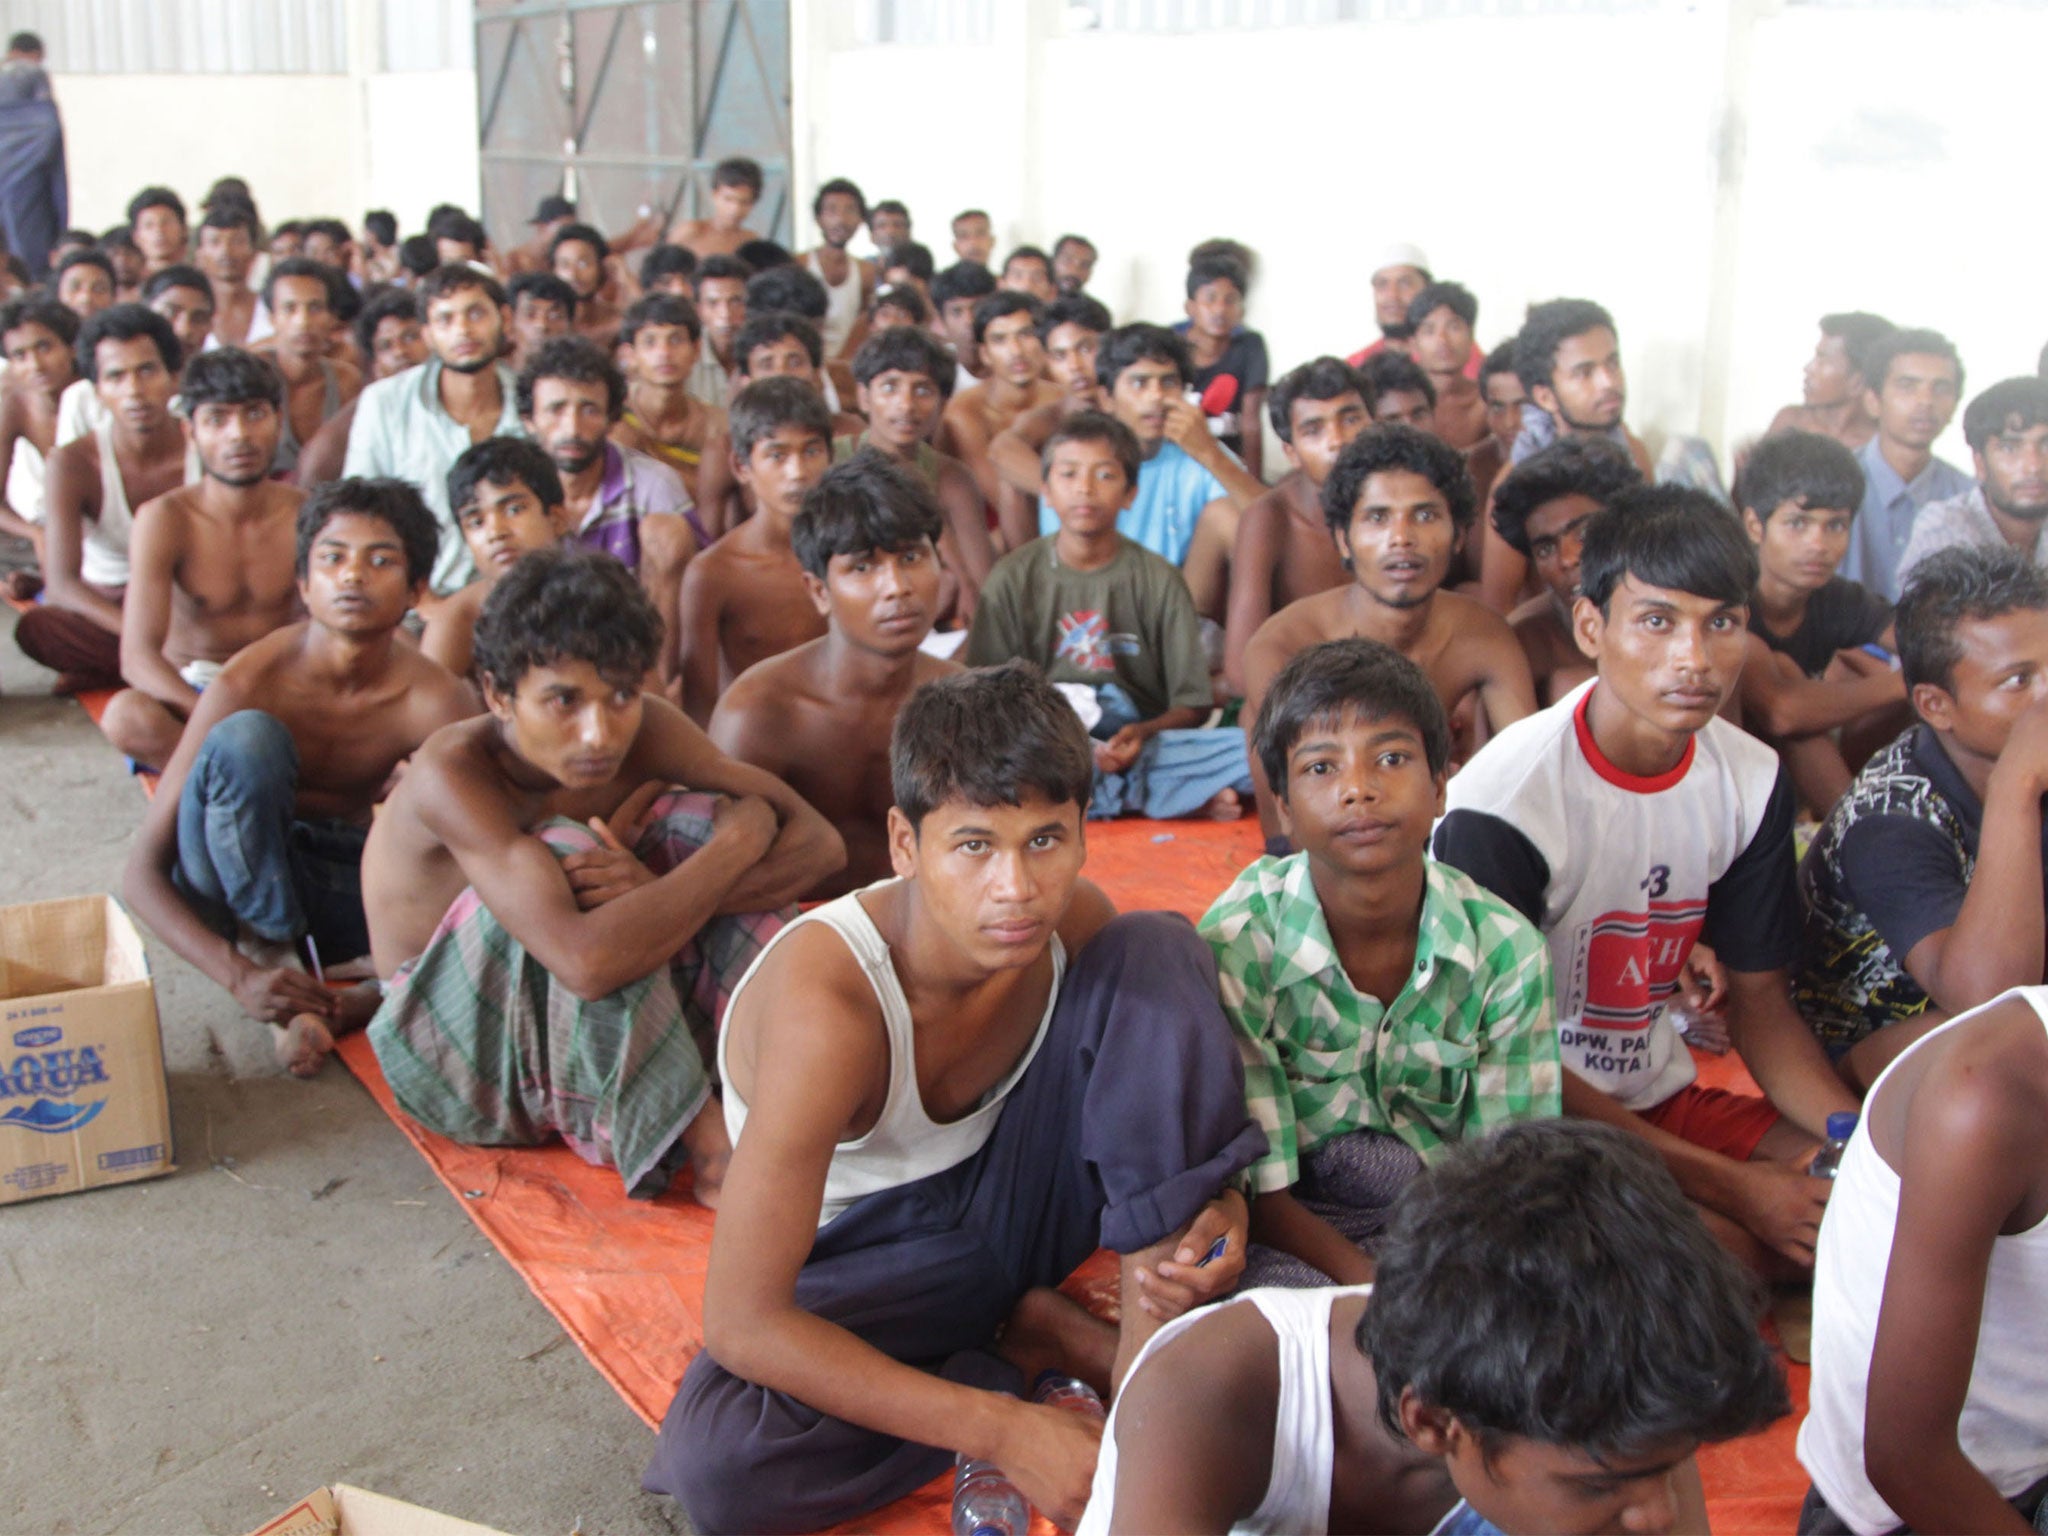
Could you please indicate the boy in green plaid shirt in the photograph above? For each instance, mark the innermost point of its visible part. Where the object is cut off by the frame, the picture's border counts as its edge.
(1356, 1094)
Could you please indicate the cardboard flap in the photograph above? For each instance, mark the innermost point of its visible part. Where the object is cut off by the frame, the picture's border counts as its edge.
(345, 1511)
(54, 946)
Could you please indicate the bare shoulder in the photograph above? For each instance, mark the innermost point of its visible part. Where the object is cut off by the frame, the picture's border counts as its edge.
(434, 695)
(749, 713)
(1471, 621)
(1318, 616)
(931, 668)
(1088, 910)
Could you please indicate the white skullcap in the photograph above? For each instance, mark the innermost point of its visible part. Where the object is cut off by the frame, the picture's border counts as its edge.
(1402, 254)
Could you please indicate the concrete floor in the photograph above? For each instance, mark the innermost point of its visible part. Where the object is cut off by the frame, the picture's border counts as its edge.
(191, 1353)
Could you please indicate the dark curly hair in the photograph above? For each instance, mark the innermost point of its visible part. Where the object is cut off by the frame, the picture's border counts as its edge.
(1387, 445)
(1571, 466)
(394, 502)
(576, 359)
(567, 604)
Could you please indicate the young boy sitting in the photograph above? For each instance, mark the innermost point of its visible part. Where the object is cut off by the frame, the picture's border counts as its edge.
(743, 599)
(944, 1093)
(1628, 822)
(1924, 887)
(508, 500)
(1930, 1386)
(1512, 1368)
(1221, 347)
(819, 717)
(1388, 1005)
(1093, 608)
(1540, 508)
(1808, 675)
(556, 942)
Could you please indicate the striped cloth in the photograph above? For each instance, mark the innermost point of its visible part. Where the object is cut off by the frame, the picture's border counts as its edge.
(480, 1043)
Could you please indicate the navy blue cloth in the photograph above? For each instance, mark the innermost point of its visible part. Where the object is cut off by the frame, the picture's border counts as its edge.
(34, 195)
(243, 854)
(1127, 1122)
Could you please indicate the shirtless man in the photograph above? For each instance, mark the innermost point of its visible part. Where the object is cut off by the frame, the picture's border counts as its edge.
(227, 249)
(84, 283)
(1398, 502)
(1541, 508)
(1500, 387)
(1835, 386)
(735, 188)
(744, 599)
(543, 307)
(889, 224)
(156, 223)
(1070, 330)
(1073, 263)
(37, 337)
(301, 295)
(1396, 389)
(551, 216)
(538, 978)
(819, 717)
(662, 336)
(1063, 1078)
(1006, 335)
(841, 210)
(769, 345)
(213, 566)
(577, 255)
(508, 501)
(132, 358)
(974, 237)
(257, 828)
(389, 339)
(956, 293)
(1284, 551)
(1028, 270)
(183, 296)
(668, 269)
(1443, 316)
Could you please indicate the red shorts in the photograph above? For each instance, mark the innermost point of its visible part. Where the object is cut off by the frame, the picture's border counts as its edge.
(1729, 1123)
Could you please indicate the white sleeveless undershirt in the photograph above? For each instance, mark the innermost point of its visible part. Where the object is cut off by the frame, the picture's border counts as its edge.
(2003, 1428)
(103, 556)
(842, 303)
(905, 1144)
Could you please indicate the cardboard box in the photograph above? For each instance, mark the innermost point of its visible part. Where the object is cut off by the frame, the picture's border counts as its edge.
(82, 1099)
(344, 1511)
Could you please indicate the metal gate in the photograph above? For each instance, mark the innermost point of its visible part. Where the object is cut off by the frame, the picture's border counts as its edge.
(618, 104)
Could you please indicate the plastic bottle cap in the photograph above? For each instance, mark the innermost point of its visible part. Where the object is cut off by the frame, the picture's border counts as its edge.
(1841, 1125)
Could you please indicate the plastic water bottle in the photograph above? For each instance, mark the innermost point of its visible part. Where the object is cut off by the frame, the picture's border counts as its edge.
(1057, 1391)
(1841, 1127)
(986, 1503)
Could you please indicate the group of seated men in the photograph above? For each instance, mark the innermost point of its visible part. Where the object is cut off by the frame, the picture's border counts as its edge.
(557, 677)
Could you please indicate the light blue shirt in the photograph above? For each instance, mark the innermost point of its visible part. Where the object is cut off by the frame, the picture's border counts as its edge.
(1884, 523)
(402, 430)
(1172, 490)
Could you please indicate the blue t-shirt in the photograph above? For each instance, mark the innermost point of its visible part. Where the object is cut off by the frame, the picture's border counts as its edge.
(1172, 490)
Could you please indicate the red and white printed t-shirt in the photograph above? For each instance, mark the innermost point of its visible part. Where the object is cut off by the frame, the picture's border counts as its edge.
(1624, 874)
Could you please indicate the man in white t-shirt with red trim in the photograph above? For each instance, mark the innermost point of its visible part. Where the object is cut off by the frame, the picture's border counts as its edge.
(1629, 823)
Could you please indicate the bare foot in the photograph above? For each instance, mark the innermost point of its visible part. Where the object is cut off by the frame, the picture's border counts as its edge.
(710, 1151)
(1049, 1332)
(22, 586)
(1224, 805)
(303, 1044)
(355, 1008)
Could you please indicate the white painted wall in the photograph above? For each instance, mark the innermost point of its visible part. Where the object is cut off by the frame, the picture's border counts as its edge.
(1719, 173)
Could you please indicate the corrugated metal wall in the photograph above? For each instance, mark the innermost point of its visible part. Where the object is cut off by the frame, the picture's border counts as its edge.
(264, 37)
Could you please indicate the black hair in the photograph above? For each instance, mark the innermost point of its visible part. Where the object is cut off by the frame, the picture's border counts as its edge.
(839, 186)
(293, 229)
(1455, 297)
(772, 326)
(766, 405)
(328, 277)
(1571, 466)
(1808, 468)
(1858, 332)
(1549, 326)
(464, 230)
(790, 288)
(567, 604)
(419, 255)
(962, 280)
(84, 237)
(454, 278)
(1029, 253)
(333, 229)
(1668, 536)
(26, 43)
(660, 309)
(1500, 360)
(443, 216)
(904, 297)
(1893, 345)
(1140, 343)
(738, 171)
(396, 502)
(33, 309)
(1066, 240)
(720, 265)
(764, 255)
(1594, 1311)
(545, 287)
(2010, 405)
(1963, 584)
(1204, 270)
(577, 359)
(1075, 309)
(889, 205)
(229, 376)
(232, 213)
(1322, 378)
(504, 461)
(91, 256)
(1097, 427)
(388, 303)
(177, 275)
(666, 261)
(914, 258)
(864, 503)
(1325, 682)
(969, 213)
(1392, 445)
(905, 349)
(155, 197)
(119, 238)
(127, 322)
(1007, 302)
(381, 226)
(988, 737)
(584, 232)
(1389, 372)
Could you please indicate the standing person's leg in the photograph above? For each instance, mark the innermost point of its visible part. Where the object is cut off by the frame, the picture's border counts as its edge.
(71, 645)
(235, 825)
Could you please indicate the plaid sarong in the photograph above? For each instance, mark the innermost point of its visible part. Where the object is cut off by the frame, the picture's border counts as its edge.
(480, 1043)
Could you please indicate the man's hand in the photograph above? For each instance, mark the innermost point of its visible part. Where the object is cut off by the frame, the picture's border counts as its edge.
(2026, 750)
(1185, 1281)
(1782, 1207)
(275, 996)
(747, 817)
(1706, 980)
(1049, 1453)
(1188, 429)
(630, 819)
(1121, 750)
(599, 875)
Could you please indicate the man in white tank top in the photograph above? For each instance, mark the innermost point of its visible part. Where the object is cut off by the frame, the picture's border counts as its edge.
(944, 1093)
(1930, 1294)
(1502, 1373)
(841, 210)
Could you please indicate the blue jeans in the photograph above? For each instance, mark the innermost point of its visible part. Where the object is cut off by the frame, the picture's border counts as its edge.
(242, 854)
